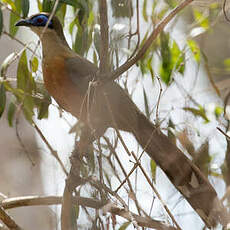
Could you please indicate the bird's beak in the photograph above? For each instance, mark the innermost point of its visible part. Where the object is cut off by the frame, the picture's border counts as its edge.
(23, 22)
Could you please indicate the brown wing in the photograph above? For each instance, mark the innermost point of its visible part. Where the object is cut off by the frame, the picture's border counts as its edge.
(80, 71)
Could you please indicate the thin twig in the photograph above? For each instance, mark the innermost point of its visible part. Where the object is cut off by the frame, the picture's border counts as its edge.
(9, 9)
(159, 28)
(18, 111)
(45, 28)
(137, 31)
(224, 10)
(115, 125)
(8, 221)
(19, 41)
(24, 201)
(157, 193)
(158, 100)
(98, 185)
(225, 134)
(112, 149)
(128, 175)
(53, 152)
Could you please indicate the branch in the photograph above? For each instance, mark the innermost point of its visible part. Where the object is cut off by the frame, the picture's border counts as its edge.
(23, 201)
(104, 46)
(8, 221)
(159, 28)
(53, 152)
(107, 206)
(73, 181)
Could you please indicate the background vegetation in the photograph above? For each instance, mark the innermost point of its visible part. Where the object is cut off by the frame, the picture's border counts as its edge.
(180, 83)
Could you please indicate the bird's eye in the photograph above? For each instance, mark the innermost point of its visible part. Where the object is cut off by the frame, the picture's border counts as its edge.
(40, 20)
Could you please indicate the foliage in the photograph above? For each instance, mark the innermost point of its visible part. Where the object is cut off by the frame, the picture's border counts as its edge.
(167, 57)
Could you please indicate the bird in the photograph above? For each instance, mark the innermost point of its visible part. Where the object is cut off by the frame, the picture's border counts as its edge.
(68, 78)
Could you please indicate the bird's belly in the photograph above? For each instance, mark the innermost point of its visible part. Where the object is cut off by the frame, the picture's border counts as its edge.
(61, 88)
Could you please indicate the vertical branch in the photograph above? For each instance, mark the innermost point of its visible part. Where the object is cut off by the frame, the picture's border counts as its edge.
(104, 46)
(161, 25)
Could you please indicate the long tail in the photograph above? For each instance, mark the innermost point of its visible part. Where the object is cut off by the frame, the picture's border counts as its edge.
(184, 175)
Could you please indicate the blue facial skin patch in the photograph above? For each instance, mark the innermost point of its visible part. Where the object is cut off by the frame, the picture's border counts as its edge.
(40, 20)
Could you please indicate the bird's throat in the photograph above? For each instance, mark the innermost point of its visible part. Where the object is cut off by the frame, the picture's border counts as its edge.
(53, 46)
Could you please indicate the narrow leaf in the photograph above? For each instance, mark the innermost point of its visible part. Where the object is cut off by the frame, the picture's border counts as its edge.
(197, 112)
(144, 11)
(218, 111)
(5, 64)
(22, 72)
(1, 21)
(46, 5)
(124, 226)
(34, 64)
(25, 5)
(147, 112)
(11, 113)
(10, 3)
(153, 169)
(14, 17)
(195, 49)
(2, 99)
(69, 2)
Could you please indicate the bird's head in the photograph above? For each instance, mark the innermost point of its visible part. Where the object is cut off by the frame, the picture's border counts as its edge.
(37, 23)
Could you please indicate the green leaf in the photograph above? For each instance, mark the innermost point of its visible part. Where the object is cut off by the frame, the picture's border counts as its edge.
(91, 18)
(1, 21)
(25, 5)
(34, 64)
(5, 64)
(201, 19)
(11, 112)
(28, 105)
(144, 10)
(43, 107)
(39, 5)
(77, 209)
(18, 93)
(227, 64)
(42, 102)
(61, 14)
(47, 5)
(166, 65)
(147, 112)
(70, 2)
(22, 72)
(26, 83)
(149, 67)
(197, 112)
(78, 41)
(171, 3)
(121, 8)
(178, 58)
(14, 17)
(10, 3)
(124, 226)
(218, 111)
(2, 99)
(95, 61)
(195, 49)
(153, 166)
